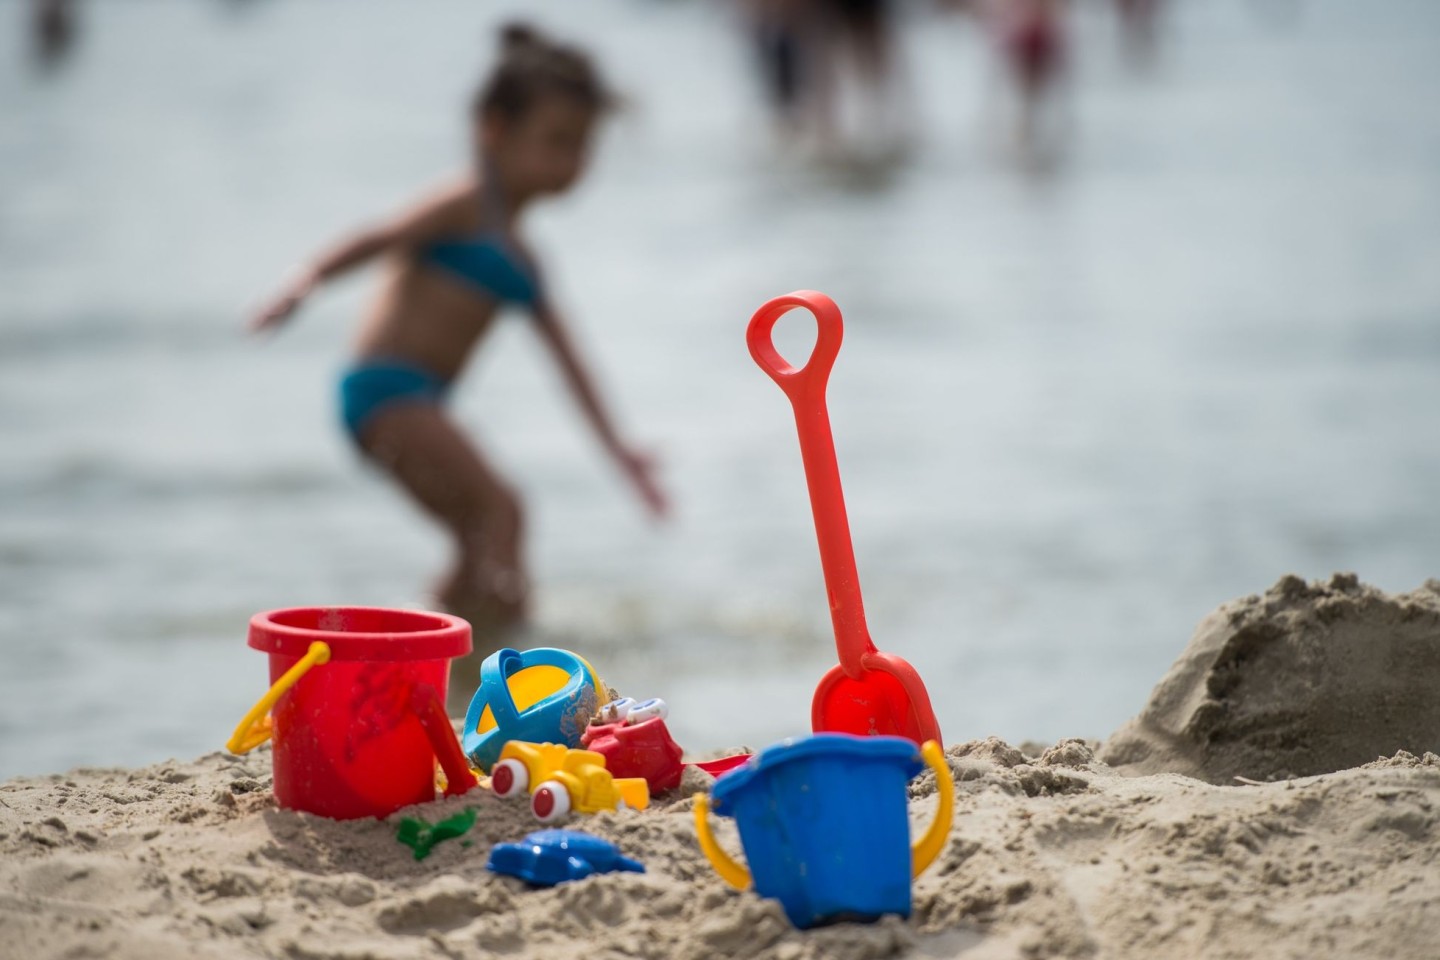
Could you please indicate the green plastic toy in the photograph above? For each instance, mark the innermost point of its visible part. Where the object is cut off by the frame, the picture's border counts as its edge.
(422, 836)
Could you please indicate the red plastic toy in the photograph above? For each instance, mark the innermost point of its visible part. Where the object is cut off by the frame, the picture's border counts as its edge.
(642, 749)
(358, 698)
(869, 692)
(635, 742)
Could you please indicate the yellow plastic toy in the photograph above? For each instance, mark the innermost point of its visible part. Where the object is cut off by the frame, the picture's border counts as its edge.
(524, 766)
(561, 781)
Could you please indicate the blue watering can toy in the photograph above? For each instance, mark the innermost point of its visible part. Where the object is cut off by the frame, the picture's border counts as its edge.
(539, 696)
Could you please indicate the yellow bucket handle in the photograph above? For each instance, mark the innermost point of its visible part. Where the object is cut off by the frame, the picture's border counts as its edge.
(255, 728)
(730, 870)
(922, 854)
(929, 846)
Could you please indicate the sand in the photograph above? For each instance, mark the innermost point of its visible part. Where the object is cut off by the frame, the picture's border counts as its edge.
(1053, 853)
(1305, 679)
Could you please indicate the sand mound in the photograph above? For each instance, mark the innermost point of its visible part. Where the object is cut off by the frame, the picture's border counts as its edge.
(1052, 856)
(1306, 679)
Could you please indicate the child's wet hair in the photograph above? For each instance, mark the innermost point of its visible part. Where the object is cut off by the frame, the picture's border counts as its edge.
(533, 67)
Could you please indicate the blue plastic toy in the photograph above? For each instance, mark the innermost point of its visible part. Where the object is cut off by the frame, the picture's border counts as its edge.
(825, 825)
(548, 857)
(539, 696)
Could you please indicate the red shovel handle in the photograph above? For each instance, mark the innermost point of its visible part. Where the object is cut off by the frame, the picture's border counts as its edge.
(807, 383)
(805, 386)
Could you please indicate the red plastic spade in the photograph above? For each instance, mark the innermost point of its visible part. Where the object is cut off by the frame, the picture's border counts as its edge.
(869, 692)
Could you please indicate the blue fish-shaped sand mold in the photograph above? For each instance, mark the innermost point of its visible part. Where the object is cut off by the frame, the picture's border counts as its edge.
(548, 857)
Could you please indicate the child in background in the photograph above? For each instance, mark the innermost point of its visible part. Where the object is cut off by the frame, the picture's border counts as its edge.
(453, 261)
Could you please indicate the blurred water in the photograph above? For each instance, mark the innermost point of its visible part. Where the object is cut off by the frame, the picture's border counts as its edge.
(1072, 415)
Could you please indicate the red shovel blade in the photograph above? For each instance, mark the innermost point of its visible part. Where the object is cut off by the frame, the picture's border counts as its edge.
(886, 698)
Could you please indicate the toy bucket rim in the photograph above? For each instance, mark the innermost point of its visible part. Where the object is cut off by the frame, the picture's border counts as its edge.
(438, 635)
(828, 745)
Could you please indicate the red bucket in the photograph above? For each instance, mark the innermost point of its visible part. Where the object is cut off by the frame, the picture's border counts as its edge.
(358, 699)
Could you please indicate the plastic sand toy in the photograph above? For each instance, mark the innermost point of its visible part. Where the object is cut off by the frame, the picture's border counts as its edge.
(356, 708)
(538, 696)
(421, 836)
(549, 857)
(562, 781)
(869, 692)
(637, 743)
(825, 826)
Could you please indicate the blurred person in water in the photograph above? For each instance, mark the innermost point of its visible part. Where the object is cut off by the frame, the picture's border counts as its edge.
(1030, 37)
(453, 261)
(830, 72)
(779, 30)
(53, 29)
(1140, 28)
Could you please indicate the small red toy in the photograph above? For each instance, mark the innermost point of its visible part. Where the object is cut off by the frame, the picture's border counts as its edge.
(633, 739)
(635, 742)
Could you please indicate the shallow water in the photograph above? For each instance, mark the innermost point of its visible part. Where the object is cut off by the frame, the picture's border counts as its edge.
(1073, 413)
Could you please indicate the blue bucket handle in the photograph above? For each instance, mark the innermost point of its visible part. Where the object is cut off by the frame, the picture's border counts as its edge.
(579, 693)
(494, 676)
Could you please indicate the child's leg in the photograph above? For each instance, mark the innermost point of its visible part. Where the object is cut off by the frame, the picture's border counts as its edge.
(448, 477)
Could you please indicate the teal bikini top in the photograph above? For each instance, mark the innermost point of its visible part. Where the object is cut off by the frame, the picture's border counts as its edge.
(489, 261)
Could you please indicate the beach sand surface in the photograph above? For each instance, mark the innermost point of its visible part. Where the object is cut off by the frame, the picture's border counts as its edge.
(1053, 852)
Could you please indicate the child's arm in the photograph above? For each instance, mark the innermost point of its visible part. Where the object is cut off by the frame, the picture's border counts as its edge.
(429, 219)
(639, 467)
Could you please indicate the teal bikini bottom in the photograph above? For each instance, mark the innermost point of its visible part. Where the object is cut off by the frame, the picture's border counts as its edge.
(372, 385)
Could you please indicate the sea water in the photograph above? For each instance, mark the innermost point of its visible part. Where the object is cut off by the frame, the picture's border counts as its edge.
(1074, 410)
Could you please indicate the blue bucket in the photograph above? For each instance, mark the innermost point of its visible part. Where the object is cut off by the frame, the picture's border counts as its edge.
(825, 825)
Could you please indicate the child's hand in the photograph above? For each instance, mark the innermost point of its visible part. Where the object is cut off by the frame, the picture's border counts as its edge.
(640, 468)
(277, 311)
